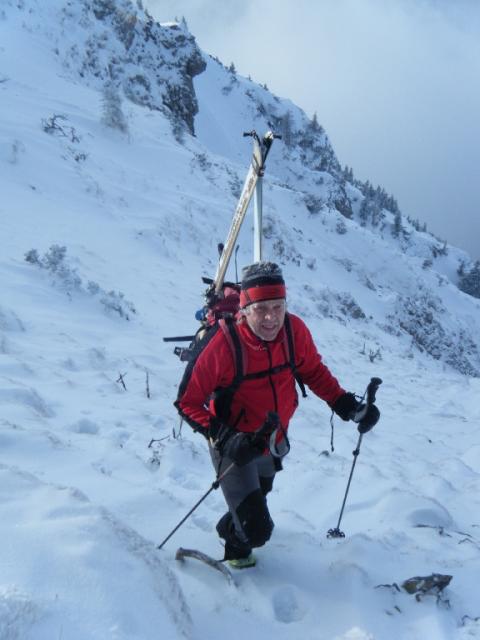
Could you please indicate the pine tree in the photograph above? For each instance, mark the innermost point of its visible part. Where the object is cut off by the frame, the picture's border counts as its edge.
(286, 129)
(364, 212)
(113, 115)
(470, 281)
(314, 125)
(348, 174)
(397, 224)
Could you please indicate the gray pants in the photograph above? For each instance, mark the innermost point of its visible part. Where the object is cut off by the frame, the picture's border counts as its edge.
(244, 489)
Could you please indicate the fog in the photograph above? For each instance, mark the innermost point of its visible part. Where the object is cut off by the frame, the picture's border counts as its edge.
(395, 83)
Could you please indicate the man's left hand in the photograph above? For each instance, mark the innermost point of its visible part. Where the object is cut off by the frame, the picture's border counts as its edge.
(370, 418)
(346, 406)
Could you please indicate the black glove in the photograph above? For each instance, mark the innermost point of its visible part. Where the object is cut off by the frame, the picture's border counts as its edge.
(243, 447)
(370, 418)
(346, 406)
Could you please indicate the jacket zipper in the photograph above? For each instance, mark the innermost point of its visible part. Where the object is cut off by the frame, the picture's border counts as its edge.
(270, 379)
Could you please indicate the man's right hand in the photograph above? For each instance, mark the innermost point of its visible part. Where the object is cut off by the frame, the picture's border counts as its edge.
(242, 448)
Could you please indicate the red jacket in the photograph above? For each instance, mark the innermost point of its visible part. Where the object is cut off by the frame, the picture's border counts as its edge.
(252, 400)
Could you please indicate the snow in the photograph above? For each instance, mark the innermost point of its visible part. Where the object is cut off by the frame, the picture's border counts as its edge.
(94, 477)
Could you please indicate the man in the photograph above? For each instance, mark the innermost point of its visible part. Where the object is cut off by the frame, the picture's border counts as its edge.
(245, 415)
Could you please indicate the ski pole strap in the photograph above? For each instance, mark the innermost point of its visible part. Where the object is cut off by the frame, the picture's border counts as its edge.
(268, 433)
(272, 444)
(332, 432)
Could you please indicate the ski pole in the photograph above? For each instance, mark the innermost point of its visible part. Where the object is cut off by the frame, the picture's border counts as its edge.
(215, 485)
(370, 399)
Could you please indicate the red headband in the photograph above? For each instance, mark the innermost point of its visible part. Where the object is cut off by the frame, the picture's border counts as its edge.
(264, 292)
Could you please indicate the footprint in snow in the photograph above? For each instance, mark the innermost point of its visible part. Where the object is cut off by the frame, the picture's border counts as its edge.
(29, 398)
(85, 426)
(202, 523)
(437, 516)
(286, 605)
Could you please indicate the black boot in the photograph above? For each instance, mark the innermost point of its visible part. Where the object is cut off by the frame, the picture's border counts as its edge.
(234, 547)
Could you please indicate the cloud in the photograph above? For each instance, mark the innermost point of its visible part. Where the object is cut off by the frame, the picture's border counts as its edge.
(394, 82)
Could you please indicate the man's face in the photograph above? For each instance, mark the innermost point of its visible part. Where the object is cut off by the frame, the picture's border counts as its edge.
(266, 318)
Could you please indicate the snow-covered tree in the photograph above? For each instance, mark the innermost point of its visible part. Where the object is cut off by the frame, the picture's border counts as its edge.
(397, 224)
(469, 282)
(348, 174)
(286, 129)
(113, 115)
(314, 124)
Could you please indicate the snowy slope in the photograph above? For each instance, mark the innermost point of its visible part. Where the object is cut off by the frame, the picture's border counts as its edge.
(95, 475)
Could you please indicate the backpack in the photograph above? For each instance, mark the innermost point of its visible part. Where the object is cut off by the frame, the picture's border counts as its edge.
(221, 317)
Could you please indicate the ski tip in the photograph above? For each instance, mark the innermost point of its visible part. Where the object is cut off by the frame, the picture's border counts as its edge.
(182, 553)
(179, 555)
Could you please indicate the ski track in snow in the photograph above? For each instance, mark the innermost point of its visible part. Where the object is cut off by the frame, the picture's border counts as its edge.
(78, 545)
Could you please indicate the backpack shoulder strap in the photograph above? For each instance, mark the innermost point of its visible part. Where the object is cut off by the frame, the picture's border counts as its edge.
(223, 396)
(291, 355)
(237, 348)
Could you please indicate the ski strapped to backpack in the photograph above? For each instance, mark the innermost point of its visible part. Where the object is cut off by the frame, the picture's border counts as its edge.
(261, 148)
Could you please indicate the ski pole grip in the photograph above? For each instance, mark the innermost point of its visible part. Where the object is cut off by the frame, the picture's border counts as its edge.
(370, 393)
(372, 389)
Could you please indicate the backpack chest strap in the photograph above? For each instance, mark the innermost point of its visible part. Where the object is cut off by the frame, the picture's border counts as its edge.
(267, 372)
(239, 353)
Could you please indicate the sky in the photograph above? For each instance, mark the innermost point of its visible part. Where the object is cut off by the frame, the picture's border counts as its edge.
(395, 83)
